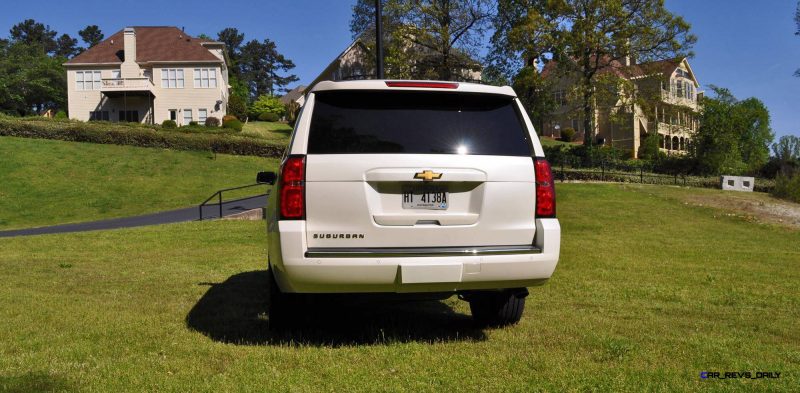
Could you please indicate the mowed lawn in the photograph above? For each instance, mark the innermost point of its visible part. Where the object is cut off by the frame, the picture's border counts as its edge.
(273, 131)
(649, 293)
(44, 182)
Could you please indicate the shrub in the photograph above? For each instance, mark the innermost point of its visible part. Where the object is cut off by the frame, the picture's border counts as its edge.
(649, 149)
(234, 124)
(237, 107)
(292, 110)
(119, 134)
(212, 122)
(567, 135)
(268, 104)
(60, 115)
(192, 123)
(169, 124)
(788, 186)
(229, 118)
(268, 116)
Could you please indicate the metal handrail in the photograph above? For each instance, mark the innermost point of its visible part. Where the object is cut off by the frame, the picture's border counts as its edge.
(219, 195)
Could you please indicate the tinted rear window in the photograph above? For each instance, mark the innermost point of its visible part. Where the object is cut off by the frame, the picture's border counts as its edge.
(416, 123)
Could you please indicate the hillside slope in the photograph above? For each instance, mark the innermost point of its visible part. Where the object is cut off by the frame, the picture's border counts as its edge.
(44, 182)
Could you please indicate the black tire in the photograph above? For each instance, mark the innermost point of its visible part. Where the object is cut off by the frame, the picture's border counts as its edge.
(497, 308)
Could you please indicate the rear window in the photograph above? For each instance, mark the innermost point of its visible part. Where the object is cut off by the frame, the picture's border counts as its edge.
(347, 122)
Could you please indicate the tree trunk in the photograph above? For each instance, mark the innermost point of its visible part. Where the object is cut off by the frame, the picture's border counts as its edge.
(588, 111)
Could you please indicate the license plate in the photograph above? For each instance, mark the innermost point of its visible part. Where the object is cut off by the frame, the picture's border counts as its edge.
(431, 198)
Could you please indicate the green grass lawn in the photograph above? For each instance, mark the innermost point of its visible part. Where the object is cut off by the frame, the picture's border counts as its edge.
(46, 182)
(275, 132)
(554, 142)
(649, 292)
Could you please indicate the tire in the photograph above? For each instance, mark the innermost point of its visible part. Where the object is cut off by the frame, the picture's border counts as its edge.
(497, 308)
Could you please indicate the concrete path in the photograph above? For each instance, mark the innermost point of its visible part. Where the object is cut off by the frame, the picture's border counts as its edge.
(165, 217)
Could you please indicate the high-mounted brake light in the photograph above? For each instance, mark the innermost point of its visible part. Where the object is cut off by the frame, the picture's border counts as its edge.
(545, 189)
(293, 188)
(423, 85)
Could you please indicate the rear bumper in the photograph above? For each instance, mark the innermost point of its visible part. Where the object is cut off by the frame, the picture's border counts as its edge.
(299, 269)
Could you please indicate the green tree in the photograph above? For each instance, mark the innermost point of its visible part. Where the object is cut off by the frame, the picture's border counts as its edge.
(734, 136)
(425, 39)
(30, 81)
(262, 66)
(585, 36)
(787, 148)
(649, 149)
(237, 106)
(267, 104)
(534, 92)
(232, 39)
(34, 34)
(91, 35)
(66, 46)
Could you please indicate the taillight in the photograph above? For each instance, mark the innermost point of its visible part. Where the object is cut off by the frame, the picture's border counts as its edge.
(545, 189)
(424, 85)
(293, 188)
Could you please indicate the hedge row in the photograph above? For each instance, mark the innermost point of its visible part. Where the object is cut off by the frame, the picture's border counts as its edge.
(112, 134)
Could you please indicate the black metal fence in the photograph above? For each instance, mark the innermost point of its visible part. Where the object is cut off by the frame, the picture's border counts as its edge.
(575, 169)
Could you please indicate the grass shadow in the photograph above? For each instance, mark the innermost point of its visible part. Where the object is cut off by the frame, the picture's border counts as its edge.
(33, 382)
(235, 312)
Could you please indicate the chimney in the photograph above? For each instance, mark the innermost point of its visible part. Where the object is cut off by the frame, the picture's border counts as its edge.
(130, 44)
(129, 68)
(628, 60)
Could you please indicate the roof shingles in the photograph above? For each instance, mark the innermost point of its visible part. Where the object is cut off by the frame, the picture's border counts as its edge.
(153, 44)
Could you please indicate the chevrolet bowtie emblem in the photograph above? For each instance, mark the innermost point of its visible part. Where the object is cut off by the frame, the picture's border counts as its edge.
(428, 175)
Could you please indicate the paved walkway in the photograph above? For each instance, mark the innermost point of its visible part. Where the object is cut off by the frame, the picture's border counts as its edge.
(165, 217)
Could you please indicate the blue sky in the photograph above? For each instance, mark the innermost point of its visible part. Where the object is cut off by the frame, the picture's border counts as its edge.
(746, 46)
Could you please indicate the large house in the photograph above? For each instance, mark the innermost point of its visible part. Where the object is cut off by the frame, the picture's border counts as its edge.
(149, 74)
(356, 62)
(661, 97)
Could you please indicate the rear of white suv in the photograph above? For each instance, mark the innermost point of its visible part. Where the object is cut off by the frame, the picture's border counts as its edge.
(402, 186)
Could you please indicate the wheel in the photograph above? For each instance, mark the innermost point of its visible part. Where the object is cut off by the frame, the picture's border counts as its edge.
(497, 308)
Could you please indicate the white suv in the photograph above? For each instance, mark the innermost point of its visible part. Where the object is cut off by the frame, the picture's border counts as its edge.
(413, 186)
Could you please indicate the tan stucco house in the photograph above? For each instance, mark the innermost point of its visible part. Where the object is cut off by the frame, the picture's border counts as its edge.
(672, 95)
(149, 74)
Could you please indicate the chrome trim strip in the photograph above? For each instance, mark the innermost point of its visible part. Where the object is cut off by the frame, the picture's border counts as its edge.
(419, 251)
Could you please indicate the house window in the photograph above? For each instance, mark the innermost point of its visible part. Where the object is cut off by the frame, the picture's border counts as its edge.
(173, 115)
(116, 74)
(560, 98)
(187, 116)
(205, 78)
(98, 115)
(202, 115)
(172, 78)
(87, 80)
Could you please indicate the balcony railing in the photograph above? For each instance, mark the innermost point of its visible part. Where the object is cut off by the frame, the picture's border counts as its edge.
(675, 129)
(127, 84)
(667, 96)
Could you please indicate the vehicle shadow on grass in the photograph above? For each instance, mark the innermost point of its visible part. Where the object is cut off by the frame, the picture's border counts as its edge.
(235, 312)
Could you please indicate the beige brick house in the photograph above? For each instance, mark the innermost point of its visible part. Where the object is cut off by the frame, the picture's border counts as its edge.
(621, 120)
(148, 75)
